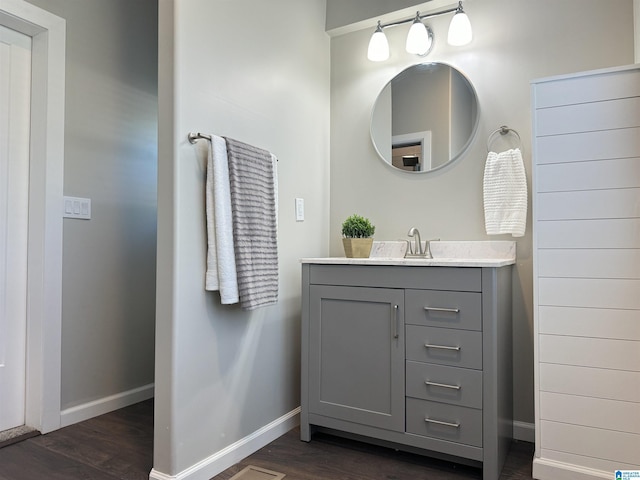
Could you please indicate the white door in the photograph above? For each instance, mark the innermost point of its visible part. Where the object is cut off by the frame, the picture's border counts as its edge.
(15, 93)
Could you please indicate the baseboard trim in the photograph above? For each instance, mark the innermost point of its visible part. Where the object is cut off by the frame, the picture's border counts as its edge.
(524, 431)
(544, 469)
(83, 412)
(229, 456)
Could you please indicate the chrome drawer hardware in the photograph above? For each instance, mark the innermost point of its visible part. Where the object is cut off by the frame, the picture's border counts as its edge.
(394, 320)
(442, 347)
(442, 309)
(443, 385)
(440, 422)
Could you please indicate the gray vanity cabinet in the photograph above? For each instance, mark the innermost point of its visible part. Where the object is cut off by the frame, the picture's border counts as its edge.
(413, 357)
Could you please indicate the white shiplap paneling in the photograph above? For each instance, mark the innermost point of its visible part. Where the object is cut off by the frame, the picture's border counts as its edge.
(589, 204)
(576, 410)
(588, 88)
(591, 442)
(609, 233)
(589, 263)
(589, 117)
(590, 352)
(597, 174)
(590, 322)
(586, 184)
(590, 382)
(589, 292)
(579, 147)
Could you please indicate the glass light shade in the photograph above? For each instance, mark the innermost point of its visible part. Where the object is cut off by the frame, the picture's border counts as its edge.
(460, 32)
(378, 47)
(418, 39)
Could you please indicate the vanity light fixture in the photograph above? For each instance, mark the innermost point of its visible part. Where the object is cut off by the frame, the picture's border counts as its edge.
(460, 32)
(420, 37)
(378, 46)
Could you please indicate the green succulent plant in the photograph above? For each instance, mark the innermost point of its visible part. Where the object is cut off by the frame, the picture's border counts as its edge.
(356, 226)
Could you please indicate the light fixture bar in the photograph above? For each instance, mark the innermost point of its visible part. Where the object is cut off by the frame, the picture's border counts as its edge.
(424, 15)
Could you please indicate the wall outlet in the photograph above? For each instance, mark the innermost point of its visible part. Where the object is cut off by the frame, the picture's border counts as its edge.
(77, 207)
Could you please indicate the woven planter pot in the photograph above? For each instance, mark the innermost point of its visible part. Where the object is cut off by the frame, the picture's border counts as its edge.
(357, 247)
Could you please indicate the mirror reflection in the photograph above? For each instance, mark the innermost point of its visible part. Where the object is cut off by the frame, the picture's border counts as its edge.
(424, 118)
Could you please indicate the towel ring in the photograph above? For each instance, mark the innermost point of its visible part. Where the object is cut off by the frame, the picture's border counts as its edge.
(503, 130)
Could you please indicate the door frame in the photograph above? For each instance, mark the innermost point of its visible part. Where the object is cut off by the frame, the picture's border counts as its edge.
(46, 175)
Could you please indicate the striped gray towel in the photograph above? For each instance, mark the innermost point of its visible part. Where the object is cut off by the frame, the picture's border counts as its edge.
(255, 235)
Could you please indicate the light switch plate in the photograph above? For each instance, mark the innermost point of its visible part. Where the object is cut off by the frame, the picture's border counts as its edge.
(77, 207)
(299, 209)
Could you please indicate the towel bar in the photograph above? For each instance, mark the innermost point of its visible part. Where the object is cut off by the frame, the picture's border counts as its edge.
(503, 130)
(194, 137)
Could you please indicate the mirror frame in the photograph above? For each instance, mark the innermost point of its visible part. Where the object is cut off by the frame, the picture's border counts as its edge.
(465, 147)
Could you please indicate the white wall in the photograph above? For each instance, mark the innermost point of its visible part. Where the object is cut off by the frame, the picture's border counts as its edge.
(258, 72)
(514, 41)
(108, 298)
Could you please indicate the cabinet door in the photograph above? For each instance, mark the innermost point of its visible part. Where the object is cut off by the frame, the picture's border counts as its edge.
(356, 355)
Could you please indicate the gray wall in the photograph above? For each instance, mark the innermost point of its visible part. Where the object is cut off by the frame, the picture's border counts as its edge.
(463, 113)
(108, 304)
(514, 41)
(258, 72)
(427, 111)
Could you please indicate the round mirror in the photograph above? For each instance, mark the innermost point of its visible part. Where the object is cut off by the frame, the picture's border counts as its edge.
(424, 118)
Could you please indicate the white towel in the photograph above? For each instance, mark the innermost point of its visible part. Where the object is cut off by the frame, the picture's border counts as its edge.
(505, 193)
(221, 263)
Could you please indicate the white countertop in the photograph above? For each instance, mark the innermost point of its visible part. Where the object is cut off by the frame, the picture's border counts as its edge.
(446, 254)
(412, 262)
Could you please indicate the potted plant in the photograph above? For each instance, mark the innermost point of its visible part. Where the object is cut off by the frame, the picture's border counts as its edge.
(357, 233)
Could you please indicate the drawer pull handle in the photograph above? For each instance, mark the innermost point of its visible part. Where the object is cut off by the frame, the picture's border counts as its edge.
(440, 422)
(443, 385)
(394, 320)
(442, 347)
(442, 309)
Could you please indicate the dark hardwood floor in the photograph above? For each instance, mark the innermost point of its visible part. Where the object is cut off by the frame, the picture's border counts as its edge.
(332, 458)
(119, 445)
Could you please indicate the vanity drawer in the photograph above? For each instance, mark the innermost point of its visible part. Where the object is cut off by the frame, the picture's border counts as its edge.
(446, 422)
(395, 276)
(444, 346)
(446, 309)
(457, 386)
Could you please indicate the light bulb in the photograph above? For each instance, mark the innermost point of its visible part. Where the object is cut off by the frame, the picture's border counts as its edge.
(418, 39)
(378, 46)
(460, 32)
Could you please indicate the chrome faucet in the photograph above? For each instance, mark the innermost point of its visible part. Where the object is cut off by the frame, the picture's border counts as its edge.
(416, 250)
